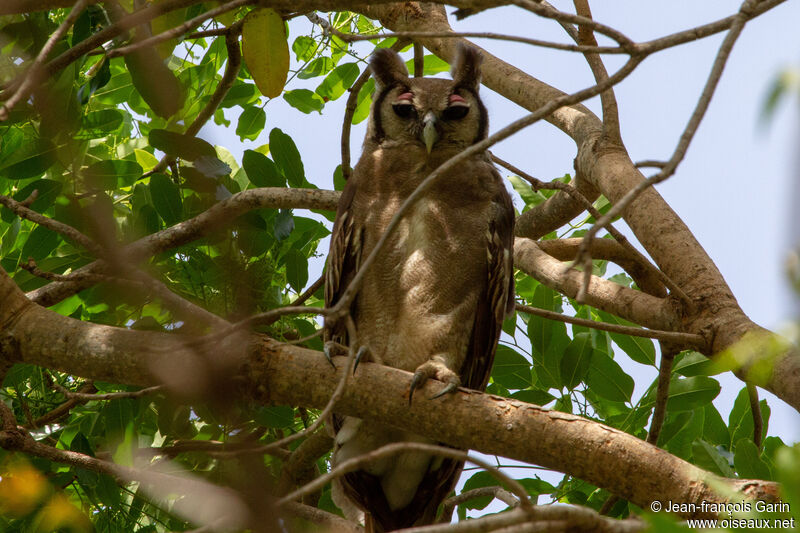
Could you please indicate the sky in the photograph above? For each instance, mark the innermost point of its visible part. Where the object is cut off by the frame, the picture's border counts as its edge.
(733, 190)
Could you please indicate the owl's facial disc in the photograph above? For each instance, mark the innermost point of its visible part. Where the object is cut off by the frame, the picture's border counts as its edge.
(429, 133)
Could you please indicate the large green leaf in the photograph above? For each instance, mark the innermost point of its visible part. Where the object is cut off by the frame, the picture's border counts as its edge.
(100, 123)
(155, 82)
(304, 100)
(251, 123)
(640, 349)
(180, 145)
(338, 81)
(32, 159)
(748, 462)
(709, 458)
(296, 269)
(41, 241)
(113, 173)
(511, 370)
(166, 198)
(287, 157)
(607, 379)
(691, 393)
(261, 171)
(265, 50)
(576, 361)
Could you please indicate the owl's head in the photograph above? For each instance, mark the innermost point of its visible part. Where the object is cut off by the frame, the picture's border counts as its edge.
(434, 113)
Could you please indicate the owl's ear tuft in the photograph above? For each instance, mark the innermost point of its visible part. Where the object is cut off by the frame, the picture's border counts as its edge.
(388, 68)
(467, 67)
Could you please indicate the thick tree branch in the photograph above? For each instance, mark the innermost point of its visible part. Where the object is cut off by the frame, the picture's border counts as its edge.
(635, 306)
(271, 372)
(217, 216)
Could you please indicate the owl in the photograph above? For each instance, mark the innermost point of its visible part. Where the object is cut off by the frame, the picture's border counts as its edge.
(434, 301)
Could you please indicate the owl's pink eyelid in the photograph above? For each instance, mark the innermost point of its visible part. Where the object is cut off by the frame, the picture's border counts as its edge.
(456, 98)
(405, 96)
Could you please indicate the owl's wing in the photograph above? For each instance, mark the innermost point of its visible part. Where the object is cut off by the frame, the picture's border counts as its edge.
(344, 257)
(496, 300)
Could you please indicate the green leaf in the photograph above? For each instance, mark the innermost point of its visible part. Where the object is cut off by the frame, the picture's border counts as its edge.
(304, 100)
(511, 370)
(748, 462)
(640, 349)
(715, 431)
(433, 65)
(46, 193)
(32, 159)
(261, 171)
(241, 94)
(534, 396)
(708, 458)
(740, 419)
(265, 50)
(287, 157)
(607, 379)
(296, 269)
(100, 124)
(304, 48)
(689, 393)
(693, 364)
(277, 416)
(338, 81)
(478, 480)
(155, 82)
(318, 67)
(113, 173)
(576, 361)
(41, 241)
(251, 123)
(364, 101)
(166, 198)
(179, 145)
(284, 224)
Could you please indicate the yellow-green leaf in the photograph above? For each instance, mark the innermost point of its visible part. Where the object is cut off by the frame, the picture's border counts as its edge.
(266, 50)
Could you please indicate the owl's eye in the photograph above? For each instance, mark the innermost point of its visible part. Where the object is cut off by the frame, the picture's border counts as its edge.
(455, 112)
(403, 110)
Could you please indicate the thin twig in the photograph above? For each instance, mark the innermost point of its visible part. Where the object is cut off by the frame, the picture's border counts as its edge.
(350, 108)
(678, 337)
(550, 12)
(419, 60)
(607, 98)
(755, 409)
(33, 76)
(63, 409)
(67, 231)
(481, 492)
(88, 397)
(668, 354)
(687, 135)
(181, 29)
(618, 236)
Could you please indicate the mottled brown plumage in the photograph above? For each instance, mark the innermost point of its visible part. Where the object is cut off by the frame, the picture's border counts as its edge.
(434, 301)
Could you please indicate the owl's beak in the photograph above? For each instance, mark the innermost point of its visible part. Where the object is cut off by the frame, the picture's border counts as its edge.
(429, 133)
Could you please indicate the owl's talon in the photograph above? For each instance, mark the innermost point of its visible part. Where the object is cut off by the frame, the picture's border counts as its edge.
(328, 349)
(450, 387)
(359, 355)
(418, 380)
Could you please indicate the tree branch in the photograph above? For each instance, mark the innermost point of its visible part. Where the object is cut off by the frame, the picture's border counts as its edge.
(635, 306)
(271, 372)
